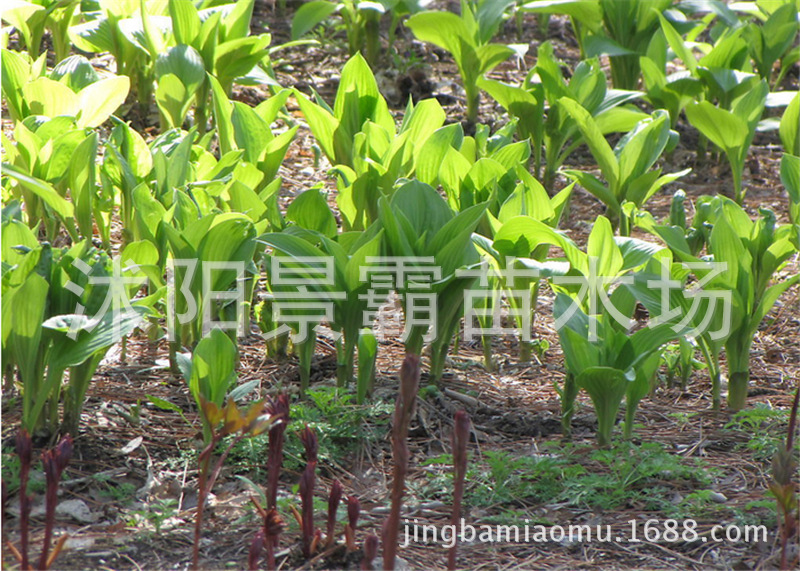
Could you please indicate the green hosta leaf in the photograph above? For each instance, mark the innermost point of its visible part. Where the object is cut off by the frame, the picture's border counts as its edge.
(76, 72)
(601, 45)
(223, 109)
(213, 367)
(237, 57)
(422, 120)
(492, 55)
(723, 128)
(16, 74)
(594, 139)
(790, 176)
(173, 100)
(369, 249)
(727, 84)
(185, 63)
(451, 245)
(321, 122)
(50, 98)
(592, 184)
(100, 99)
(357, 76)
(309, 15)
(185, 22)
(635, 252)
(521, 235)
(82, 177)
(43, 190)
(527, 200)
(639, 149)
(603, 249)
(790, 123)
(677, 44)
(93, 335)
(588, 12)
(245, 200)
(430, 155)
(727, 248)
(423, 207)
(250, 131)
(310, 210)
(443, 29)
(23, 311)
(236, 24)
(231, 238)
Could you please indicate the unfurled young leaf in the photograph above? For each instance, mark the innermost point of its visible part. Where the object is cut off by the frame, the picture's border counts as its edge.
(358, 100)
(367, 356)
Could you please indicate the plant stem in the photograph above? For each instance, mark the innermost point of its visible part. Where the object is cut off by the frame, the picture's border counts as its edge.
(406, 397)
(568, 394)
(737, 352)
(461, 430)
(473, 101)
(345, 350)
(205, 484)
(486, 341)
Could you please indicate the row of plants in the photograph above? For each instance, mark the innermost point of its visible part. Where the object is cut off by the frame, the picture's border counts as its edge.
(183, 236)
(176, 200)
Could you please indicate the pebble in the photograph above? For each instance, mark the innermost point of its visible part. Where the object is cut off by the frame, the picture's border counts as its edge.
(717, 497)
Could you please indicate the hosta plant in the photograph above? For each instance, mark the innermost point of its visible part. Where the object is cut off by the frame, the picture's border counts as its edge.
(585, 285)
(790, 177)
(368, 153)
(245, 128)
(673, 91)
(381, 158)
(732, 131)
(357, 101)
(32, 19)
(310, 243)
(418, 224)
(213, 257)
(772, 39)
(555, 133)
(361, 23)
(620, 29)
(630, 180)
(59, 322)
(516, 256)
(751, 254)
(610, 364)
(467, 37)
(176, 44)
(73, 88)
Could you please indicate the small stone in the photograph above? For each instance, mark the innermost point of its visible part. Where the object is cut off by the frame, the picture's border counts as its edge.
(717, 497)
(77, 510)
